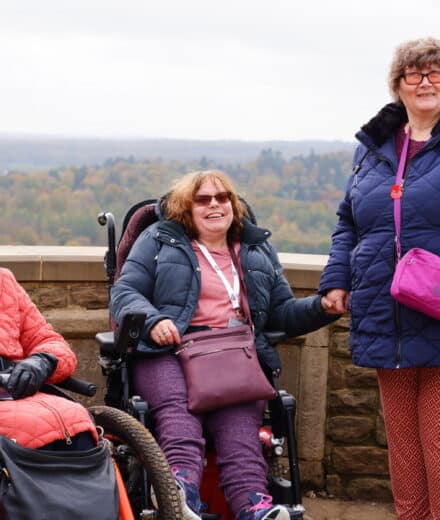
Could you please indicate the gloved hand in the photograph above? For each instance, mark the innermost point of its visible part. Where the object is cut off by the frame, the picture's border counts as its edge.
(28, 375)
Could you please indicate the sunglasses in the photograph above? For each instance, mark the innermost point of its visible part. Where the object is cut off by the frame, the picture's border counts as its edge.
(205, 200)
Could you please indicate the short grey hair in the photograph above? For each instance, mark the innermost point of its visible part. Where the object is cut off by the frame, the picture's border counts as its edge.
(418, 53)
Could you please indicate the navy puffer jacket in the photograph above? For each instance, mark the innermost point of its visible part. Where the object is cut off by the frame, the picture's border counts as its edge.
(385, 334)
(161, 277)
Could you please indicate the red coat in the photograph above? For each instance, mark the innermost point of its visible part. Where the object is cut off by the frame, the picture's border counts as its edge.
(41, 418)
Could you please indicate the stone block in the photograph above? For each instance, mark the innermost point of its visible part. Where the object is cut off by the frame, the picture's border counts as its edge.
(334, 485)
(361, 460)
(312, 403)
(90, 296)
(339, 344)
(336, 372)
(319, 338)
(353, 401)
(88, 368)
(291, 363)
(357, 377)
(51, 297)
(77, 322)
(312, 473)
(378, 490)
(343, 323)
(350, 429)
(73, 270)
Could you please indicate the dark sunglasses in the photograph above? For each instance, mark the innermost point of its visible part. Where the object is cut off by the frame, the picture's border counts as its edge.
(205, 200)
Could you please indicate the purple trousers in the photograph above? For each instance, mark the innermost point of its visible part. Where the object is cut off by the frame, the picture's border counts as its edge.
(234, 431)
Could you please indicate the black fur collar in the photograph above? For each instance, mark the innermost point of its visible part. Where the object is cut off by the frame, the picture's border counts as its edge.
(387, 121)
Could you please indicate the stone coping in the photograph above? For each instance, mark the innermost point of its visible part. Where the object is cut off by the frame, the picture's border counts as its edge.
(75, 263)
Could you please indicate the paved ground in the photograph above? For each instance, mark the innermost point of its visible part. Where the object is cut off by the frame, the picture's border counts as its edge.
(333, 509)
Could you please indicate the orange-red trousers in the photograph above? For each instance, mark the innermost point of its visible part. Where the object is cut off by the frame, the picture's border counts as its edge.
(411, 407)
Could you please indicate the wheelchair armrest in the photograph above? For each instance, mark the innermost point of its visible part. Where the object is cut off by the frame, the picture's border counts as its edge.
(275, 336)
(126, 336)
(106, 341)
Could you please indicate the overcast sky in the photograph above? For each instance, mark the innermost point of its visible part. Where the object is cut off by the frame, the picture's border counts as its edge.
(224, 69)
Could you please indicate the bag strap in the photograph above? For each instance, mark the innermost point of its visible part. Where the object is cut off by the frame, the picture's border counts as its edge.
(397, 191)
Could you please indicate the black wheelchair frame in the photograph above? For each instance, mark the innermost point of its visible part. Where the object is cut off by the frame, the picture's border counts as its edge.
(116, 348)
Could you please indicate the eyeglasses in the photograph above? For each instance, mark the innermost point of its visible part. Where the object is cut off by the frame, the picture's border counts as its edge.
(205, 200)
(415, 78)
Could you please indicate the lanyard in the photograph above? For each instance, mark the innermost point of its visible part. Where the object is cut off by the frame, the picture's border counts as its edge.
(233, 292)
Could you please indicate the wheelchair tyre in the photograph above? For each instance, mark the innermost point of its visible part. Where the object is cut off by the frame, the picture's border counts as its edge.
(120, 425)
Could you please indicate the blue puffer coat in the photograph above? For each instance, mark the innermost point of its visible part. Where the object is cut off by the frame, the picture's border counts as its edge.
(161, 277)
(362, 257)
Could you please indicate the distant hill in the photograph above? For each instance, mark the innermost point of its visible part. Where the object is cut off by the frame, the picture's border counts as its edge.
(26, 153)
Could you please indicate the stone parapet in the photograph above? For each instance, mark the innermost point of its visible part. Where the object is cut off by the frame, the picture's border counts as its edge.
(340, 433)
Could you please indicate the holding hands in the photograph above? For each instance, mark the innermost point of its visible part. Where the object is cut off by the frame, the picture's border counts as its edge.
(335, 301)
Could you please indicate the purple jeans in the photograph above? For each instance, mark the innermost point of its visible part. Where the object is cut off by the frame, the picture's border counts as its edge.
(234, 431)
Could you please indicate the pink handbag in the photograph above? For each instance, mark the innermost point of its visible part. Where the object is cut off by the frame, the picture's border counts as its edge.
(221, 368)
(416, 280)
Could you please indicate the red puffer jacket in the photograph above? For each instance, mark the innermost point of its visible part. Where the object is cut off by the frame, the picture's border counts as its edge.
(41, 418)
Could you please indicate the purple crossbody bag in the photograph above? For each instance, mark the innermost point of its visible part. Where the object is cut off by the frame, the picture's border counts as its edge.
(416, 280)
(221, 366)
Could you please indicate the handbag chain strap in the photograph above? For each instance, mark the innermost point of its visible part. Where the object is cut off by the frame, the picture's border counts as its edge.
(397, 191)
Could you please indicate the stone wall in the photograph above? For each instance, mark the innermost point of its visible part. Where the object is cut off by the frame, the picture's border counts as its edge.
(340, 434)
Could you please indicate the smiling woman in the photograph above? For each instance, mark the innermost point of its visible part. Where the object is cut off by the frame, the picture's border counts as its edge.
(403, 344)
(205, 265)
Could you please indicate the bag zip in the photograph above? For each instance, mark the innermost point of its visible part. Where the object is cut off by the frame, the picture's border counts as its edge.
(199, 354)
(58, 416)
(189, 342)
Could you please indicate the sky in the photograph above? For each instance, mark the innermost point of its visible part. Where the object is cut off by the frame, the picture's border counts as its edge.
(201, 69)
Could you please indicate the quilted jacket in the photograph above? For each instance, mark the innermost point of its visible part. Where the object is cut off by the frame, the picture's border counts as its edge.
(161, 277)
(362, 257)
(41, 418)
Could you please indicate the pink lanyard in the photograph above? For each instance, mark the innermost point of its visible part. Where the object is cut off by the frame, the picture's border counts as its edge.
(397, 191)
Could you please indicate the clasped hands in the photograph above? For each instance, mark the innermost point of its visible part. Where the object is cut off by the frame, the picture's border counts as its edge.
(335, 301)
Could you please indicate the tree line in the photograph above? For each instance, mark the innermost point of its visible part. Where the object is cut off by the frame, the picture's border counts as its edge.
(295, 198)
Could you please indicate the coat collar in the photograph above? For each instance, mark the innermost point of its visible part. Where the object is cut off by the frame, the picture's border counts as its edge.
(385, 125)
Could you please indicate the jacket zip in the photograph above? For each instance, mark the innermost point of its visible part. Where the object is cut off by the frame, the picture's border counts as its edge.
(60, 420)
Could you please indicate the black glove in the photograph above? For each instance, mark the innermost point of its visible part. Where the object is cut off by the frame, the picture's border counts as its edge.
(28, 375)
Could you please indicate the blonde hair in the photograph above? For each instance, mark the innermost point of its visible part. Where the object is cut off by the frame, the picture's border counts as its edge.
(418, 53)
(179, 201)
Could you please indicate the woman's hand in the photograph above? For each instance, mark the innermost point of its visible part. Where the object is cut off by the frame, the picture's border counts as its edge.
(165, 333)
(335, 301)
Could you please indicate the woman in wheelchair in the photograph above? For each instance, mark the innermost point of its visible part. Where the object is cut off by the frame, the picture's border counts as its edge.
(180, 274)
(34, 353)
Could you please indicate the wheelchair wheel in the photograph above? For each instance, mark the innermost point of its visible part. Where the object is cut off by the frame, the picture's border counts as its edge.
(135, 449)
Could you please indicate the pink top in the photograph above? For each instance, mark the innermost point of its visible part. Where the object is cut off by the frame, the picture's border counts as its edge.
(214, 308)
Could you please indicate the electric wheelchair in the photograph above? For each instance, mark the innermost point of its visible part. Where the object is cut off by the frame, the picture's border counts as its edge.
(116, 347)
